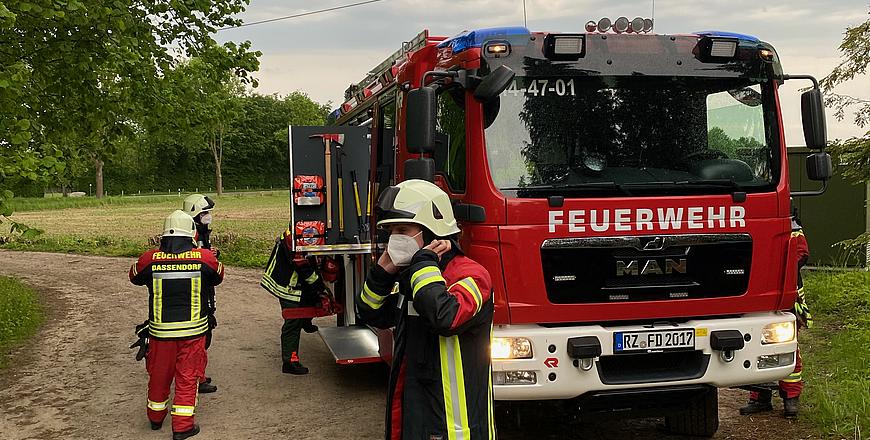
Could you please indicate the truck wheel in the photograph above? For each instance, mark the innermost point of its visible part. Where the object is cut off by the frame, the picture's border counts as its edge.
(699, 418)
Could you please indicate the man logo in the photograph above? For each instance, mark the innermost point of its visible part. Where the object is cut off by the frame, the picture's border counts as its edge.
(650, 267)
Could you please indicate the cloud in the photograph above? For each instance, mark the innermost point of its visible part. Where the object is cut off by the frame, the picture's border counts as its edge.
(322, 54)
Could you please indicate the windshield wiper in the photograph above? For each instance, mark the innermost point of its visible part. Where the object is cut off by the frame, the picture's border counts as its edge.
(726, 183)
(605, 186)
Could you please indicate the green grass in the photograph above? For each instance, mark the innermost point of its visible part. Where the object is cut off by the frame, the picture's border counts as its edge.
(836, 354)
(20, 314)
(244, 228)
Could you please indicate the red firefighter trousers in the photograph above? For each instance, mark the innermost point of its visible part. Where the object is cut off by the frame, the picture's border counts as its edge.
(181, 360)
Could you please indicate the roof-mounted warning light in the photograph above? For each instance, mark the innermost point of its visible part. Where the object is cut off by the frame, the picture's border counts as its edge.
(476, 38)
(621, 25)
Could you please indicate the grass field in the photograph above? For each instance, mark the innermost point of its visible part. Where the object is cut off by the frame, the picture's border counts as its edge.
(245, 225)
(20, 314)
(836, 354)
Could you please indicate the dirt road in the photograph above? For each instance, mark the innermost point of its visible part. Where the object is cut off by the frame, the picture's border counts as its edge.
(78, 380)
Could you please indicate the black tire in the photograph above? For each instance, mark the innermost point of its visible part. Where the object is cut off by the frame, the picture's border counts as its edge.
(699, 418)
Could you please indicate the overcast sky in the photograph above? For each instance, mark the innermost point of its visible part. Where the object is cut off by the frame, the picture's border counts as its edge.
(322, 54)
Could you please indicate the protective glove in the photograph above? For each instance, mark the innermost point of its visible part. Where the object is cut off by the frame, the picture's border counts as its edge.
(142, 333)
(142, 343)
(212, 322)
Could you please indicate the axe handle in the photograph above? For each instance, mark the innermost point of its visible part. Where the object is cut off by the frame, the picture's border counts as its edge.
(328, 158)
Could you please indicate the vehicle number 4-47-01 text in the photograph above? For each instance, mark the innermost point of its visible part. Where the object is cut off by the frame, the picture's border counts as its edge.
(543, 87)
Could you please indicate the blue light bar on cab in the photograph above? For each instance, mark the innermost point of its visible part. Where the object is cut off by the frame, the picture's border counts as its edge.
(475, 38)
(723, 34)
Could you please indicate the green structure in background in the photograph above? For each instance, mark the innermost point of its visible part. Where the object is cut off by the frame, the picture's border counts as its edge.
(840, 214)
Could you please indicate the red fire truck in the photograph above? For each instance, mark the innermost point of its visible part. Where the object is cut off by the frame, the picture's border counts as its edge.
(627, 191)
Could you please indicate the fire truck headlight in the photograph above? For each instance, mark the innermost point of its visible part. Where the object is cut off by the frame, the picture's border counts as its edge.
(778, 333)
(511, 348)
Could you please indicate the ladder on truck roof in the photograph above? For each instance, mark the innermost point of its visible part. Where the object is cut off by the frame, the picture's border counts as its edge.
(382, 75)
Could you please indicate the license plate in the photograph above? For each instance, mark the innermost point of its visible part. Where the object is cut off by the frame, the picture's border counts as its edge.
(656, 340)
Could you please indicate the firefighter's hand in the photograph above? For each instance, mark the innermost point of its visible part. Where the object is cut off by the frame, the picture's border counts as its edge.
(217, 253)
(387, 263)
(212, 322)
(440, 247)
(142, 343)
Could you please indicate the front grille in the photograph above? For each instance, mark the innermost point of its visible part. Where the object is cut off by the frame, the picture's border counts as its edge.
(651, 268)
(652, 367)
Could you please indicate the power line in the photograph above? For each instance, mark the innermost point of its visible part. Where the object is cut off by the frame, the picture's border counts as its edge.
(302, 14)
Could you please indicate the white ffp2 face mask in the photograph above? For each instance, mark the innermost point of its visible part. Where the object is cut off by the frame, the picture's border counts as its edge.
(205, 219)
(402, 248)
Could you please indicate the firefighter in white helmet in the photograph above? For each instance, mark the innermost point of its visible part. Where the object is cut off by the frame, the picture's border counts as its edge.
(179, 278)
(440, 383)
(199, 207)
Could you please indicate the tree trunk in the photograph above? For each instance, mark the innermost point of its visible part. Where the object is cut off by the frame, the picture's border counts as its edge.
(98, 164)
(219, 180)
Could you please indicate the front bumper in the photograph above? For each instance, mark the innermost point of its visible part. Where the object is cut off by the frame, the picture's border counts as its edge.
(560, 377)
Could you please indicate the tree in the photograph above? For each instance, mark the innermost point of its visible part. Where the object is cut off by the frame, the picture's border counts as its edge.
(203, 97)
(855, 52)
(77, 69)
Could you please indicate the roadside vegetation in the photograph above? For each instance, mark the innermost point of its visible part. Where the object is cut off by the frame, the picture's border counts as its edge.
(20, 315)
(245, 225)
(836, 357)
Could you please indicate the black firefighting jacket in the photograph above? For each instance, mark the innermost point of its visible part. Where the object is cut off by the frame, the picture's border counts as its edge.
(180, 280)
(441, 382)
(289, 277)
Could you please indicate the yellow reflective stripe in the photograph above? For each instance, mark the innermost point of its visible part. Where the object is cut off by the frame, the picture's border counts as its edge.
(281, 292)
(453, 388)
(797, 233)
(133, 269)
(423, 271)
(793, 377)
(294, 279)
(181, 325)
(471, 286)
(195, 305)
(158, 406)
(312, 279)
(426, 282)
(220, 267)
(183, 410)
(157, 288)
(371, 298)
(170, 334)
(489, 404)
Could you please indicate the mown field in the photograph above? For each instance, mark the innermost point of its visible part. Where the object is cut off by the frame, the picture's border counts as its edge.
(245, 225)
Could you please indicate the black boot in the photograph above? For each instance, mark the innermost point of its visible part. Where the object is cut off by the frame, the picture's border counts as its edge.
(762, 404)
(206, 387)
(294, 368)
(156, 426)
(790, 407)
(309, 326)
(186, 434)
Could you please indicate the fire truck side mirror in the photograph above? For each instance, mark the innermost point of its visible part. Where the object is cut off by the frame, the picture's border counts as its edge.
(819, 166)
(493, 84)
(420, 128)
(813, 118)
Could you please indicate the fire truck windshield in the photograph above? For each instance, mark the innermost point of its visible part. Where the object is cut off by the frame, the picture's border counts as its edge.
(605, 135)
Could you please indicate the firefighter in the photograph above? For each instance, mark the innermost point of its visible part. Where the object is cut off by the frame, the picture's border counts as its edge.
(199, 207)
(440, 303)
(179, 277)
(294, 281)
(789, 388)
